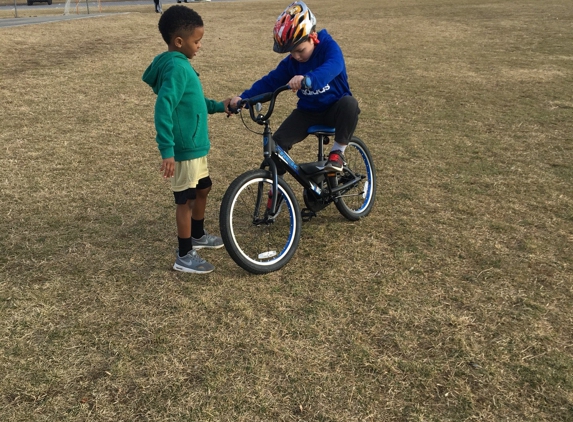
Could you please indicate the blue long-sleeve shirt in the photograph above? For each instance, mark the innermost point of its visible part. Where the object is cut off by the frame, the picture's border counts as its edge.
(326, 69)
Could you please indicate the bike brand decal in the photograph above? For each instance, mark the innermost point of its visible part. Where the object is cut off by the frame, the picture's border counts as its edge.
(315, 188)
(287, 159)
(316, 92)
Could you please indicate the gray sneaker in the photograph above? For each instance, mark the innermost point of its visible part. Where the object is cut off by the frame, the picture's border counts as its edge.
(192, 263)
(208, 241)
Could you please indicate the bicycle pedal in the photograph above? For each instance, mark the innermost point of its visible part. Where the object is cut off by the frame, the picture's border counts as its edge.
(307, 214)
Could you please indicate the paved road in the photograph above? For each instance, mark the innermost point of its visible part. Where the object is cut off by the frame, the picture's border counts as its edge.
(93, 11)
(47, 19)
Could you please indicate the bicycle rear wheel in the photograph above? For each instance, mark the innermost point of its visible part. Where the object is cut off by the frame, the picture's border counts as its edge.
(357, 201)
(256, 241)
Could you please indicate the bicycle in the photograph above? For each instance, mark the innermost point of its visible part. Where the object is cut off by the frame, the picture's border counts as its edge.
(260, 218)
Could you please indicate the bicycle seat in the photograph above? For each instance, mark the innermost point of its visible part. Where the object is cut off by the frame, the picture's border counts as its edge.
(320, 130)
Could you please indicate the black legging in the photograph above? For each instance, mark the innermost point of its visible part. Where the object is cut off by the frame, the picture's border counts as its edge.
(342, 116)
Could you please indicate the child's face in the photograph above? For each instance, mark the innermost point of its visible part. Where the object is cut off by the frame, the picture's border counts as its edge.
(190, 43)
(303, 51)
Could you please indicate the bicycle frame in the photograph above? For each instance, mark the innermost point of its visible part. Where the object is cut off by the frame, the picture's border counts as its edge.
(270, 149)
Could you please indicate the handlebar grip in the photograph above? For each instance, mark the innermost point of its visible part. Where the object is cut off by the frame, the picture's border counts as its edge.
(235, 110)
(240, 105)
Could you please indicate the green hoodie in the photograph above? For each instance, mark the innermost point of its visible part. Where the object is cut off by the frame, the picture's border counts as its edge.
(181, 108)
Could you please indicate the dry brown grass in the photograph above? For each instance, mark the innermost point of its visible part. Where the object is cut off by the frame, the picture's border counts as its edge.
(451, 301)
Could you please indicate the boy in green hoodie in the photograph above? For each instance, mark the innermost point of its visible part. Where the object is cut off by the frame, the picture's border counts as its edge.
(181, 111)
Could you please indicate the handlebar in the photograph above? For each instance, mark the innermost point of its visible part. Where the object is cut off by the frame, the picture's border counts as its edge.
(259, 99)
(264, 98)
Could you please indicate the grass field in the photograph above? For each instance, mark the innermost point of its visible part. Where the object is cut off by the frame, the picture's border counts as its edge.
(452, 301)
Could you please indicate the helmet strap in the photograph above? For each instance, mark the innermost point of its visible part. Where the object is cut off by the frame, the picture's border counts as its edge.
(314, 37)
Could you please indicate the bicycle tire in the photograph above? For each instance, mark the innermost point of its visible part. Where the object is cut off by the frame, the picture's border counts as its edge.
(357, 202)
(256, 244)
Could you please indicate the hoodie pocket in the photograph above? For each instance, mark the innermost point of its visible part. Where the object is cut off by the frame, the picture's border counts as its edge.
(200, 138)
(193, 132)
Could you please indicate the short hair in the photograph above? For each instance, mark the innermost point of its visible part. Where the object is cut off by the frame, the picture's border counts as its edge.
(177, 19)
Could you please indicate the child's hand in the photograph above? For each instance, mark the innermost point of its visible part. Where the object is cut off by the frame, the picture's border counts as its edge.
(227, 101)
(234, 103)
(168, 167)
(296, 83)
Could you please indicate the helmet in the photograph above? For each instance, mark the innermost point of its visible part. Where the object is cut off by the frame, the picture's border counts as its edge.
(293, 26)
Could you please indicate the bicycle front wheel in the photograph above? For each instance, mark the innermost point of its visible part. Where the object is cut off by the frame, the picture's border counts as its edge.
(357, 201)
(256, 241)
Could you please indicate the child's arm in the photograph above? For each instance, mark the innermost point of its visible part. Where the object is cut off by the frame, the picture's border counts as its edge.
(271, 81)
(331, 66)
(168, 97)
(216, 106)
(268, 83)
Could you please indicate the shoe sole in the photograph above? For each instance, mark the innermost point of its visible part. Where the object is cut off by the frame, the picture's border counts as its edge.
(197, 247)
(190, 270)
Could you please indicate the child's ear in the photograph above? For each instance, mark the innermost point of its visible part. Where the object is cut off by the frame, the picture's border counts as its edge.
(178, 42)
(313, 37)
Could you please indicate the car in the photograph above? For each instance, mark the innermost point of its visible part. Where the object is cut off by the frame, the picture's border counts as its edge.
(31, 2)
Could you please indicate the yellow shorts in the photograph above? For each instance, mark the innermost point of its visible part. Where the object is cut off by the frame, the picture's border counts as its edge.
(188, 173)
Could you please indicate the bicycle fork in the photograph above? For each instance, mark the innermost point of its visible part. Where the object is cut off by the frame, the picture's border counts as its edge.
(270, 149)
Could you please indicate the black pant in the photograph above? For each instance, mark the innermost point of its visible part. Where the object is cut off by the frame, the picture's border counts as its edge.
(158, 7)
(342, 116)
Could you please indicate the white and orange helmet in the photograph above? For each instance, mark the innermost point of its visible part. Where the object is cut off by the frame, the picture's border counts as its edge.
(293, 26)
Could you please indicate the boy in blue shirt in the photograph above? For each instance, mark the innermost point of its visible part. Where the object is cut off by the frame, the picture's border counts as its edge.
(181, 111)
(329, 100)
